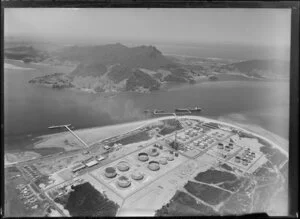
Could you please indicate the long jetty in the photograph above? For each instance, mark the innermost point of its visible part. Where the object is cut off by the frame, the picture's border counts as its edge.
(73, 133)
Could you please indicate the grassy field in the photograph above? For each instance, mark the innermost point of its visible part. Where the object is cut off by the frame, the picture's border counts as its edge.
(208, 194)
(232, 186)
(183, 204)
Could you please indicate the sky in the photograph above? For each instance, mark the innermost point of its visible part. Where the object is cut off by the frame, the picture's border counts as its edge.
(269, 27)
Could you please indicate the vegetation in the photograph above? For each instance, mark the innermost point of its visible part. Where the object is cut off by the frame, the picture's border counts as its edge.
(56, 80)
(226, 167)
(182, 204)
(208, 194)
(44, 179)
(141, 79)
(213, 78)
(119, 73)
(85, 200)
(174, 78)
(245, 135)
(169, 126)
(134, 138)
(233, 185)
(91, 69)
(215, 176)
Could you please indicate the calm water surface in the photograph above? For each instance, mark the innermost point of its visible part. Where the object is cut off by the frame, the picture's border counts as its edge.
(30, 109)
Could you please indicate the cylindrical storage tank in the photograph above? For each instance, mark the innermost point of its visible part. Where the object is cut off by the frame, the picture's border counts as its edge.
(123, 166)
(153, 152)
(143, 156)
(110, 172)
(245, 163)
(237, 159)
(153, 165)
(163, 161)
(124, 182)
(137, 176)
(170, 157)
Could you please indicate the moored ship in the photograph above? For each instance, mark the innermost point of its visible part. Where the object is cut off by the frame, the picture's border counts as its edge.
(195, 109)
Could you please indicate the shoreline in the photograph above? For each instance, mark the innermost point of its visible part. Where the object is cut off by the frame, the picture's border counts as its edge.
(96, 134)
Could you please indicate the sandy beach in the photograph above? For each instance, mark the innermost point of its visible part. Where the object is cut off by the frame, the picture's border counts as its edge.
(68, 142)
(236, 120)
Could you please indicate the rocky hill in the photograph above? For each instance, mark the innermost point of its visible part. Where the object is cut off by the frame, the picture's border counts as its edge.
(115, 67)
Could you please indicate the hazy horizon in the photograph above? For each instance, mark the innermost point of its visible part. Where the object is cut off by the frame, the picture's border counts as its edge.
(255, 31)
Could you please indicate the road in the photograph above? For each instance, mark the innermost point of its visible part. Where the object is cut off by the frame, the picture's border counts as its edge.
(31, 182)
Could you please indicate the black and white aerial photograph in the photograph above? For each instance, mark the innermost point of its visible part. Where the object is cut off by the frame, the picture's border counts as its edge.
(146, 111)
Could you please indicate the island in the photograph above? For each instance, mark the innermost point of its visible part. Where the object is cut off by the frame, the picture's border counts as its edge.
(115, 68)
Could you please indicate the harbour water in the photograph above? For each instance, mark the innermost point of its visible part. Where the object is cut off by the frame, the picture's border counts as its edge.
(29, 109)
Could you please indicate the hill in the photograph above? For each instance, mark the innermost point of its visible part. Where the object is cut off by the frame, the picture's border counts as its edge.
(259, 68)
(25, 53)
(142, 56)
(116, 67)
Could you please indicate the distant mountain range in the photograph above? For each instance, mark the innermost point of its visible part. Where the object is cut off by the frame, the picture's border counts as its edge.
(115, 67)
